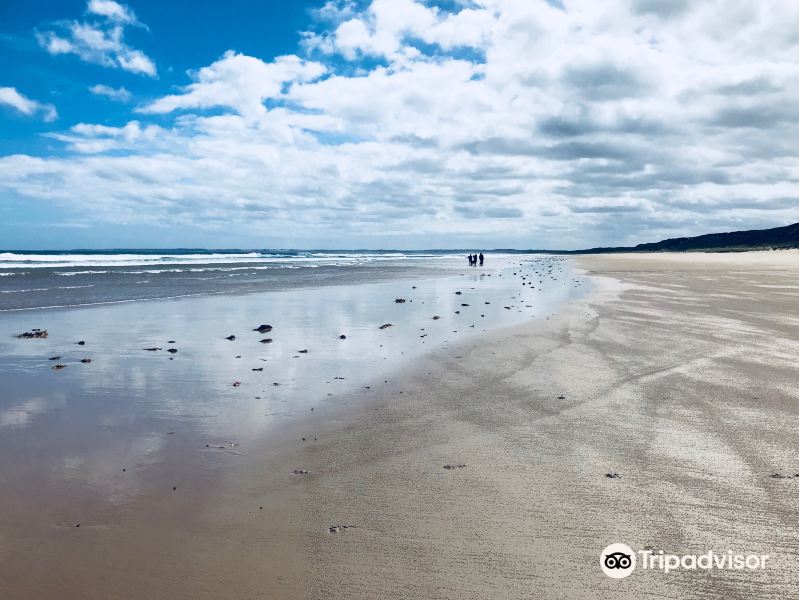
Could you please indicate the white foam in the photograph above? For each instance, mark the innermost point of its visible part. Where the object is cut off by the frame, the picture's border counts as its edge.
(12, 260)
(23, 291)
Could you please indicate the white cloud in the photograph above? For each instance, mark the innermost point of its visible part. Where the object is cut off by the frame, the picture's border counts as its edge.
(517, 123)
(239, 82)
(111, 10)
(382, 30)
(9, 96)
(100, 41)
(118, 94)
(88, 138)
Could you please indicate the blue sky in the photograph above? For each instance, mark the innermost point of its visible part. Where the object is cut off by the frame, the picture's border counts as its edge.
(179, 36)
(394, 123)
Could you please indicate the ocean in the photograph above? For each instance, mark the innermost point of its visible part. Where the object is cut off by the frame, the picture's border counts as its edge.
(43, 279)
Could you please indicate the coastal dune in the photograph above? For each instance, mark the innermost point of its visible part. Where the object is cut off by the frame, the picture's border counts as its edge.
(678, 373)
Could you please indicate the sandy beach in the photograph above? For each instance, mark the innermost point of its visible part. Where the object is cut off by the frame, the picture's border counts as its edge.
(677, 372)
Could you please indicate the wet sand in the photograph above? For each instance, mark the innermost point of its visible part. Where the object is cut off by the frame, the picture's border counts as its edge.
(678, 373)
(150, 473)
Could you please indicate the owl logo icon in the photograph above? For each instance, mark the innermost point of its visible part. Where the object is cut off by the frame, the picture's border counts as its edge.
(617, 561)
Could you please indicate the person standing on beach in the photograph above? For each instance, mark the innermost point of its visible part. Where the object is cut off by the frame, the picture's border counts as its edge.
(470, 260)
(481, 259)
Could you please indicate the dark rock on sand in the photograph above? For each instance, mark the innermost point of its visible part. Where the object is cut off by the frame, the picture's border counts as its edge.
(456, 466)
(59, 366)
(258, 369)
(236, 383)
(303, 351)
(339, 528)
(172, 350)
(386, 325)
(33, 334)
(612, 475)
(154, 349)
(230, 338)
(85, 361)
(342, 337)
(263, 328)
(400, 300)
(266, 341)
(436, 317)
(81, 343)
(301, 472)
(54, 358)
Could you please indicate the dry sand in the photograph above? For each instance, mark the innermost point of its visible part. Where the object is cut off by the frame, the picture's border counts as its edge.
(679, 373)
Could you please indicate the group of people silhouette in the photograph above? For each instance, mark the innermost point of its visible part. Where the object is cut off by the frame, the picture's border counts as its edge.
(473, 258)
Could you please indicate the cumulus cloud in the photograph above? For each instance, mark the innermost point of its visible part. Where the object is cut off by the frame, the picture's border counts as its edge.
(87, 138)
(240, 83)
(10, 97)
(518, 123)
(99, 40)
(383, 28)
(111, 10)
(119, 94)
